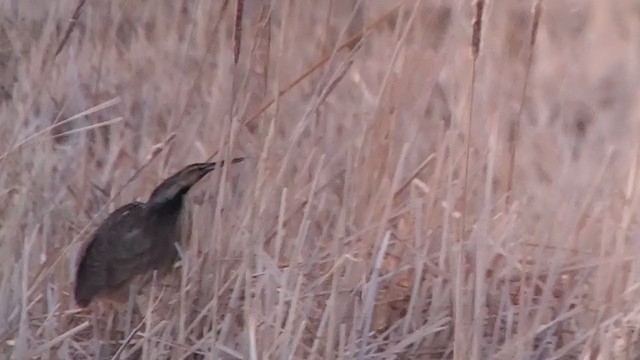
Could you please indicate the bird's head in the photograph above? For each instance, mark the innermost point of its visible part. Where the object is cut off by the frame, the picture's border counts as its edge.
(175, 187)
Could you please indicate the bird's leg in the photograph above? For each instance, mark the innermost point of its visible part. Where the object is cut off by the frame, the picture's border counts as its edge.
(133, 291)
(96, 334)
(112, 325)
(105, 331)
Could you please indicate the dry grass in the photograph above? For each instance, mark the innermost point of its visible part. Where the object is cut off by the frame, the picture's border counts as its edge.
(373, 218)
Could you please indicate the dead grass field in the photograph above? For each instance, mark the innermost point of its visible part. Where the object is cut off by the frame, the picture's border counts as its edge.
(374, 218)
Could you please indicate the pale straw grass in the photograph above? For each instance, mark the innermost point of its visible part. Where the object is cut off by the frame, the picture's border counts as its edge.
(424, 179)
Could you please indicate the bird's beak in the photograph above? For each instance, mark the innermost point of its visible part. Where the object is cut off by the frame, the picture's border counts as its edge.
(213, 165)
(210, 167)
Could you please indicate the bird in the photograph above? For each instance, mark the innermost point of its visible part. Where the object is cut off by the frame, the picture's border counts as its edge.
(137, 238)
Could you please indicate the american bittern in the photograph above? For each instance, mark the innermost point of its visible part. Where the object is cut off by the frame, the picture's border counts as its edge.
(137, 238)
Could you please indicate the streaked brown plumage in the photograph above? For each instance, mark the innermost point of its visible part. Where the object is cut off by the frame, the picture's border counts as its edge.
(137, 238)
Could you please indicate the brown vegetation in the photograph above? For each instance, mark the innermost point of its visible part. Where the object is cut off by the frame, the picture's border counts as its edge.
(412, 189)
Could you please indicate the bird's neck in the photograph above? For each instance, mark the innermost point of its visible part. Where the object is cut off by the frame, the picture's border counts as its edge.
(168, 208)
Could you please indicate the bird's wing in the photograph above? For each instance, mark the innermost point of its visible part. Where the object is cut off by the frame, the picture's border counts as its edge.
(129, 259)
(108, 242)
(91, 274)
(128, 247)
(123, 231)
